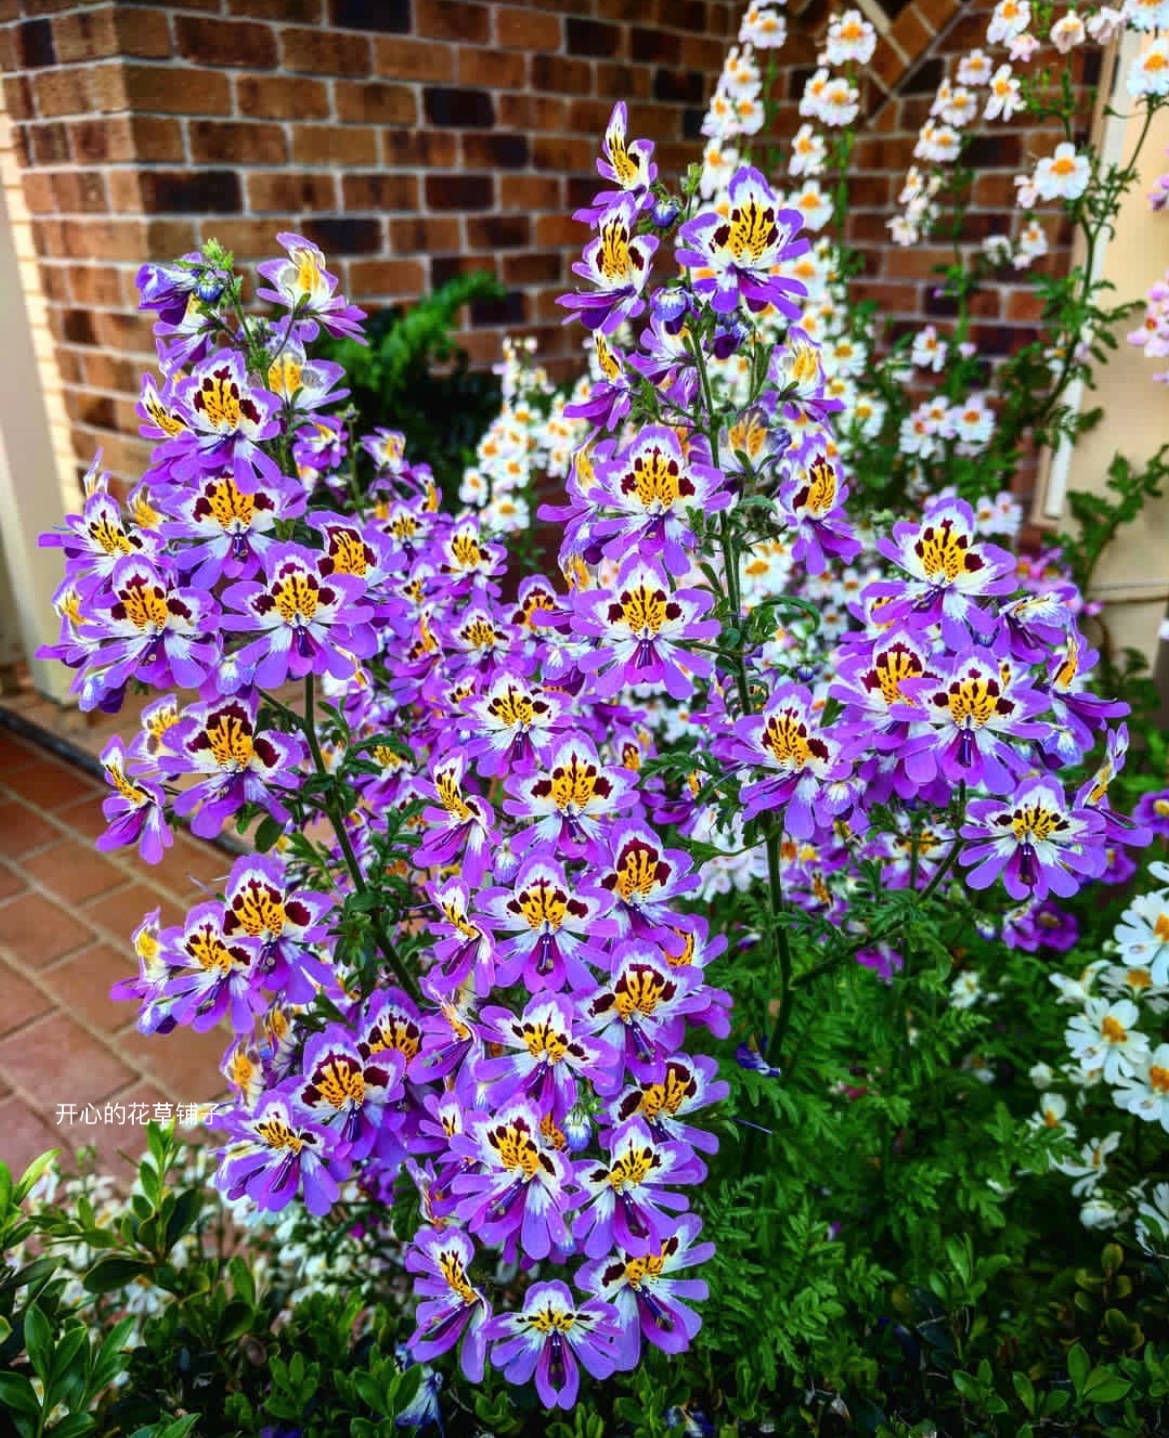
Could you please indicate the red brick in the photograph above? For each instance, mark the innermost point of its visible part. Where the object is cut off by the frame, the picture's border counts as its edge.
(375, 103)
(499, 232)
(18, 97)
(54, 1061)
(560, 75)
(177, 90)
(20, 1001)
(1023, 306)
(379, 192)
(417, 235)
(460, 192)
(82, 986)
(143, 31)
(299, 12)
(560, 152)
(15, 753)
(281, 190)
(386, 277)
(63, 92)
(520, 29)
(80, 191)
(87, 35)
(339, 145)
(47, 784)
(624, 82)
(213, 41)
(910, 33)
(552, 230)
(531, 112)
(397, 58)
(533, 269)
(215, 142)
(496, 69)
(247, 239)
(530, 192)
(49, 143)
(452, 20)
(279, 97)
(325, 52)
(24, 1135)
(417, 149)
(10, 883)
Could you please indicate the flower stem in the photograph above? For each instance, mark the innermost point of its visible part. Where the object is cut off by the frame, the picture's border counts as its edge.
(337, 819)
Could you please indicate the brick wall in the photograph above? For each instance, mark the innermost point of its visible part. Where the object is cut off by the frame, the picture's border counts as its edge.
(412, 139)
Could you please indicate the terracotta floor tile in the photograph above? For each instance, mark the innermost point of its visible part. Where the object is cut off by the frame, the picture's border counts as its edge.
(83, 983)
(85, 818)
(197, 864)
(19, 1001)
(24, 1135)
(36, 931)
(22, 830)
(10, 881)
(15, 753)
(54, 1061)
(74, 870)
(183, 1063)
(120, 913)
(46, 784)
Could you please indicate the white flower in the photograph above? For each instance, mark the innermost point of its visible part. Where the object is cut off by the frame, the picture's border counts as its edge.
(813, 94)
(1053, 1114)
(1152, 1225)
(972, 422)
(1104, 24)
(1041, 1075)
(928, 352)
(903, 232)
(1146, 1092)
(1105, 1035)
(1063, 175)
(965, 991)
(719, 163)
(975, 69)
(809, 152)
(1142, 936)
(1032, 244)
(1026, 193)
(1090, 1167)
(1022, 48)
(813, 204)
(850, 37)
(960, 109)
(763, 27)
(1004, 98)
(937, 143)
(1146, 14)
(839, 103)
(1149, 72)
(1067, 32)
(1099, 1213)
(1010, 18)
(997, 249)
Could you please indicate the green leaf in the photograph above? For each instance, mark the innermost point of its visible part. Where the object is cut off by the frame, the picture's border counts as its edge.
(267, 833)
(18, 1395)
(1026, 1391)
(1079, 1365)
(32, 1173)
(38, 1339)
(110, 1274)
(1103, 1386)
(73, 1426)
(5, 1189)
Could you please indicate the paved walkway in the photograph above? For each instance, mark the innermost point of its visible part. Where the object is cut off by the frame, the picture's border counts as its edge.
(66, 915)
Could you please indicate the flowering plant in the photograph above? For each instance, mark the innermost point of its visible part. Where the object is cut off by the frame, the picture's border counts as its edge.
(594, 918)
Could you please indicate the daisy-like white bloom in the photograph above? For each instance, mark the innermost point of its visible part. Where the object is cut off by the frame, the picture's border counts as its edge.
(763, 27)
(1004, 97)
(812, 204)
(1053, 1115)
(1105, 1036)
(1091, 1165)
(1022, 48)
(1146, 15)
(966, 991)
(1104, 24)
(839, 103)
(1079, 989)
(1152, 1225)
(960, 108)
(809, 152)
(719, 163)
(939, 144)
(1063, 175)
(850, 37)
(1142, 936)
(971, 422)
(1146, 1091)
(929, 351)
(1032, 244)
(1010, 18)
(1149, 72)
(1068, 32)
(975, 69)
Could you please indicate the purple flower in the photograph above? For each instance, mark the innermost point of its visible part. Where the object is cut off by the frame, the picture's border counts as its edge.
(625, 1194)
(975, 709)
(548, 1057)
(573, 799)
(239, 766)
(1152, 811)
(167, 288)
(212, 972)
(949, 569)
(309, 621)
(452, 1308)
(641, 1011)
(627, 164)
(805, 759)
(515, 1186)
(231, 529)
(812, 502)
(95, 541)
(548, 1338)
(346, 1090)
(617, 263)
(286, 921)
(301, 284)
(276, 1152)
(553, 924)
(135, 812)
(641, 629)
(645, 878)
(652, 482)
(647, 1293)
(1036, 842)
(464, 824)
(671, 1090)
(229, 418)
(742, 249)
(1078, 713)
(149, 988)
(516, 719)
